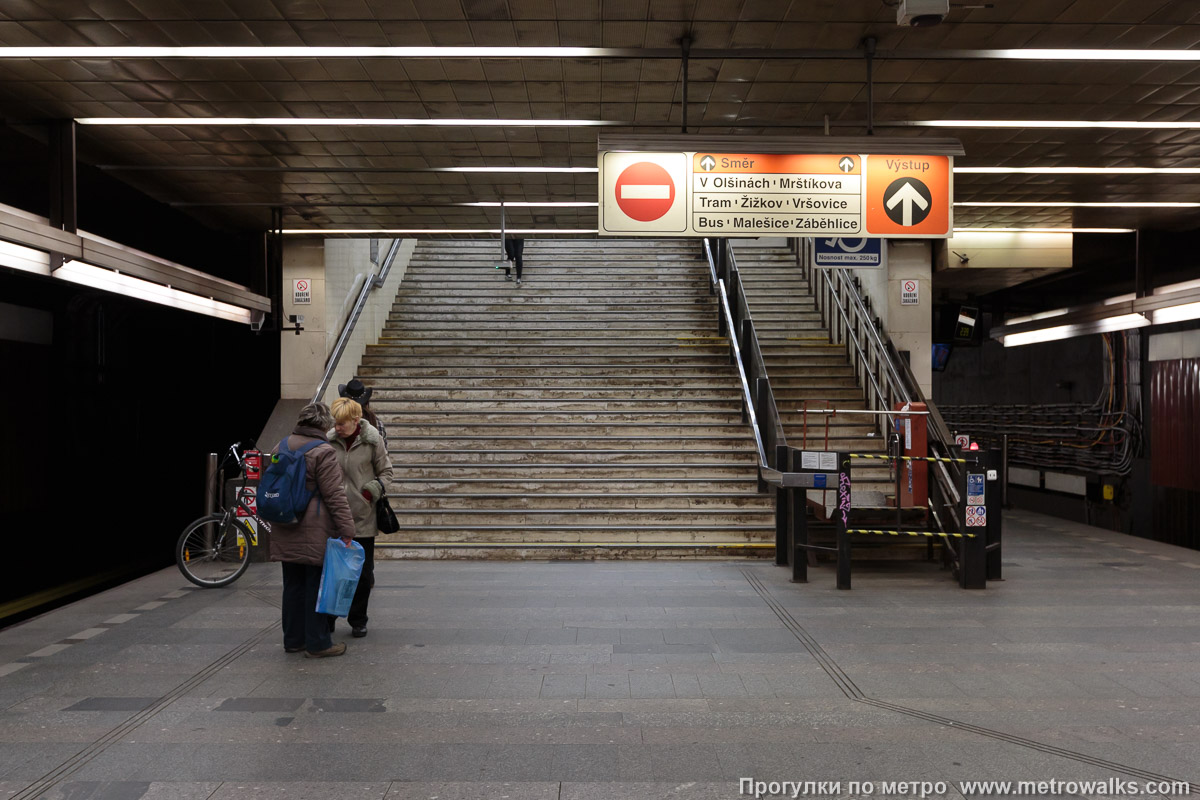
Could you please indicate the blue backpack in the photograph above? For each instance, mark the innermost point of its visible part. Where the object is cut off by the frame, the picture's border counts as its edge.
(282, 496)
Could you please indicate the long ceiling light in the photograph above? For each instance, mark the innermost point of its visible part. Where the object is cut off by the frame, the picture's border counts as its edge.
(431, 231)
(1044, 123)
(1119, 323)
(278, 122)
(1077, 170)
(533, 204)
(1027, 54)
(24, 258)
(111, 281)
(1069, 204)
(310, 52)
(1175, 303)
(516, 170)
(1044, 230)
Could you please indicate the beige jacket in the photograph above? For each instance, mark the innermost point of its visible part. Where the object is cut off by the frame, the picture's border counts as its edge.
(364, 466)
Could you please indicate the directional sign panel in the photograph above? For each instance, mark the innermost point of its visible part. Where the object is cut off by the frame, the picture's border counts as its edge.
(908, 196)
(841, 197)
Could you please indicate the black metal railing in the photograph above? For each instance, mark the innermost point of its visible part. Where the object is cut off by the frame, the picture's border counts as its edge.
(887, 379)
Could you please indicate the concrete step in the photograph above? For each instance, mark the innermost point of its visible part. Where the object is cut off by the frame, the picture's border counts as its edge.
(583, 500)
(548, 470)
(502, 330)
(457, 442)
(678, 358)
(550, 381)
(404, 414)
(581, 406)
(535, 518)
(590, 534)
(728, 392)
(650, 432)
(572, 456)
(625, 489)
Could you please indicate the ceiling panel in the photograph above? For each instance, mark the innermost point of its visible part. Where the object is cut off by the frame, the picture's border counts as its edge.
(234, 174)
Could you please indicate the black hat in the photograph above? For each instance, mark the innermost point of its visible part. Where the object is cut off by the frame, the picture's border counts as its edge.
(355, 391)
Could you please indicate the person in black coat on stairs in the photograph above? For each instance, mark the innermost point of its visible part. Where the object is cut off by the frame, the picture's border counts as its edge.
(514, 251)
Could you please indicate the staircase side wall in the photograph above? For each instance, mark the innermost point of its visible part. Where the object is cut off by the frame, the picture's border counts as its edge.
(356, 252)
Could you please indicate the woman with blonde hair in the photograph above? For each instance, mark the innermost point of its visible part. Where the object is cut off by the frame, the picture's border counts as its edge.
(366, 471)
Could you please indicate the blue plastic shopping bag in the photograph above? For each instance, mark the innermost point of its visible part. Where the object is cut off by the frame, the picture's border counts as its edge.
(339, 577)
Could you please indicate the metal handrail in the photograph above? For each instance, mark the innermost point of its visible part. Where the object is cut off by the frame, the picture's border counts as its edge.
(765, 471)
(370, 285)
(898, 377)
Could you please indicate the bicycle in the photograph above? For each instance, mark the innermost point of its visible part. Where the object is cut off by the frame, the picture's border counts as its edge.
(214, 550)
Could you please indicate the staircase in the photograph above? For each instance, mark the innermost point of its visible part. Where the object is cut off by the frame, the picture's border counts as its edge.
(590, 412)
(808, 372)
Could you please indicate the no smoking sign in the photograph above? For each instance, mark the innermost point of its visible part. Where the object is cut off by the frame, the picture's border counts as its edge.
(644, 192)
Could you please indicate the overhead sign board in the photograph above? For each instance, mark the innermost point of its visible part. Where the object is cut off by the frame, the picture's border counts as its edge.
(848, 251)
(830, 195)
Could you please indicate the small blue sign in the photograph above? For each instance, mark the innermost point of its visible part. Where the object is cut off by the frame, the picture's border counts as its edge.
(847, 252)
(819, 480)
(975, 489)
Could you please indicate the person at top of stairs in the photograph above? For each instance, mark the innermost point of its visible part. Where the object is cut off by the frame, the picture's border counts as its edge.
(514, 251)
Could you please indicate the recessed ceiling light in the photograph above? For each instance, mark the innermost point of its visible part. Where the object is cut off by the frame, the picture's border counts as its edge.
(532, 204)
(1042, 123)
(432, 231)
(1044, 230)
(309, 52)
(516, 169)
(278, 122)
(1077, 170)
(1064, 204)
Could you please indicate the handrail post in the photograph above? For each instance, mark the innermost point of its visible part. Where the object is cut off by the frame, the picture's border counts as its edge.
(842, 520)
(798, 524)
(762, 388)
(784, 543)
(210, 484)
(995, 517)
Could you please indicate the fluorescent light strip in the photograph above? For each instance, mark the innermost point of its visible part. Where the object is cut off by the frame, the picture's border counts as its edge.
(1176, 313)
(24, 258)
(1043, 123)
(1030, 54)
(308, 52)
(1123, 322)
(431, 231)
(277, 122)
(1044, 230)
(516, 170)
(1077, 170)
(531, 204)
(111, 281)
(1058, 204)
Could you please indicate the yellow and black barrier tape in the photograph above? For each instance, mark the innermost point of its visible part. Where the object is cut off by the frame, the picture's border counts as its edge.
(910, 458)
(912, 533)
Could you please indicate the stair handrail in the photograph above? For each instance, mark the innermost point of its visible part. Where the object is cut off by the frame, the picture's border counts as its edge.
(749, 340)
(866, 365)
(372, 283)
(901, 385)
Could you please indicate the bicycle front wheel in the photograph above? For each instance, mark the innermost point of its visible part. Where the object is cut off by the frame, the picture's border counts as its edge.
(213, 551)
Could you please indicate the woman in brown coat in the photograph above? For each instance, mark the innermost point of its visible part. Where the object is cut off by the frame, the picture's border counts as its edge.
(367, 470)
(301, 545)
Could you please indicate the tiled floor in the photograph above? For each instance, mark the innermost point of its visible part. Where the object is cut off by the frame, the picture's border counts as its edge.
(570, 680)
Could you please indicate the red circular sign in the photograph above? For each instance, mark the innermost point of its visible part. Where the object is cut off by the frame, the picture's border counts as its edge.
(645, 191)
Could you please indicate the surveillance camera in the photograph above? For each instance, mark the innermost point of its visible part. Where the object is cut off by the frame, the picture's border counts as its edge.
(921, 13)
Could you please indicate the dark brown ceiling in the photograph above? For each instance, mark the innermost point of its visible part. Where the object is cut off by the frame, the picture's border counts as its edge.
(370, 176)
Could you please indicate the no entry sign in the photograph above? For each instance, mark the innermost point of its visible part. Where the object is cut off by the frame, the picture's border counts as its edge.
(645, 191)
